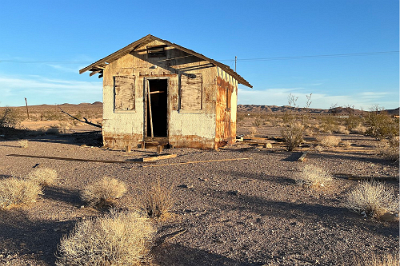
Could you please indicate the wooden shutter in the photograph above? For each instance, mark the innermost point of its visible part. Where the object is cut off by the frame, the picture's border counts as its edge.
(124, 93)
(191, 92)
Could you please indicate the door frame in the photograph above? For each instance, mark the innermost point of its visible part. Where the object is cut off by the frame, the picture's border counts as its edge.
(146, 90)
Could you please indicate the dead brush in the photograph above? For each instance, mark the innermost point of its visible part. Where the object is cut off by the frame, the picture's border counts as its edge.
(372, 199)
(342, 130)
(329, 141)
(313, 176)
(389, 259)
(345, 144)
(359, 129)
(389, 149)
(116, 239)
(23, 143)
(43, 176)
(16, 192)
(157, 200)
(253, 131)
(104, 192)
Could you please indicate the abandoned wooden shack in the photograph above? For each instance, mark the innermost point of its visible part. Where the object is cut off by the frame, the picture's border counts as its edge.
(158, 91)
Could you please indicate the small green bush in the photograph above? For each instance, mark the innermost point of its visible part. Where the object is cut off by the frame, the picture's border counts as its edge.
(381, 125)
(293, 135)
(329, 123)
(353, 121)
(389, 148)
(10, 118)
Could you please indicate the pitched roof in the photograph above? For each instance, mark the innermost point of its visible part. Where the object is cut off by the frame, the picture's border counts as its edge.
(99, 65)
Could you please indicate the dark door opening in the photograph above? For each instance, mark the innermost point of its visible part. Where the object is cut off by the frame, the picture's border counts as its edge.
(158, 103)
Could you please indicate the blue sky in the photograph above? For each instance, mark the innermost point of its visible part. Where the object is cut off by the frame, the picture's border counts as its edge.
(344, 52)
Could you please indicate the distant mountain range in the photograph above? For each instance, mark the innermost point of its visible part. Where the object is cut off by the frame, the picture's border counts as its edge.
(285, 108)
(250, 108)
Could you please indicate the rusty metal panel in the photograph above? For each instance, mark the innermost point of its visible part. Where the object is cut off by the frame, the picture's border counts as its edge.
(225, 127)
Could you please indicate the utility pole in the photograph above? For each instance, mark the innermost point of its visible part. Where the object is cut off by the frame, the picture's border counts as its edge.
(235, 62)
(26, 104)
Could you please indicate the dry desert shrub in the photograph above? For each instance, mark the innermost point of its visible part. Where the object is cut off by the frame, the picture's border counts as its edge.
(103, 192)
(309, 132)
(23, 143)
(345, 144)
(381, 125)
(360, 129)
(353, 121)
(257, 122)
(372, 199)
(313, 176)
(342, 130)
(19, 260)
(115, 239)
(319, 148)
(63, 128)
(293, 135)
(329, 123)
(253, 131)
(53, 130)
(268, 123)
(15, 192)
(375, 260)
(10, 118)
(389, 149)
(329, 141)
(157, 200)
(43, 176)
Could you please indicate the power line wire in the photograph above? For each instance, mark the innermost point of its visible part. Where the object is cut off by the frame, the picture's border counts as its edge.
(310, 56)
(238, 59)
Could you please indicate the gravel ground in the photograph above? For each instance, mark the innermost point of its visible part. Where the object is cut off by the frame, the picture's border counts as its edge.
(242, 212)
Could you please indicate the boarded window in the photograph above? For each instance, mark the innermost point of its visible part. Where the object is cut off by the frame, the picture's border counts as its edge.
(191, 92)
(124, 93)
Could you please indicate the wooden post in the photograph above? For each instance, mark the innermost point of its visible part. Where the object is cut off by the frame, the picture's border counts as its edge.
(26, 104)
(149, 104)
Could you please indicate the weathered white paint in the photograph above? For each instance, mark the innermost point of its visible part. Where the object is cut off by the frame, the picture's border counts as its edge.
(187, 124)
(234, 105)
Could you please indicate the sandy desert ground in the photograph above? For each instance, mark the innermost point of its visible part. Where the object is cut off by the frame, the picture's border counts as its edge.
(241, 212)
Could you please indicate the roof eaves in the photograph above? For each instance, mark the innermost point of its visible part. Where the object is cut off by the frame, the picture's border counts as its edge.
(148, 38)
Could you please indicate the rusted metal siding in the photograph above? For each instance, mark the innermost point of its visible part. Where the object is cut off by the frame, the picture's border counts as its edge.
(225, 125)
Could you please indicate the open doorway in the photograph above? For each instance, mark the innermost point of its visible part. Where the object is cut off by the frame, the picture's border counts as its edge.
(157, 117)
